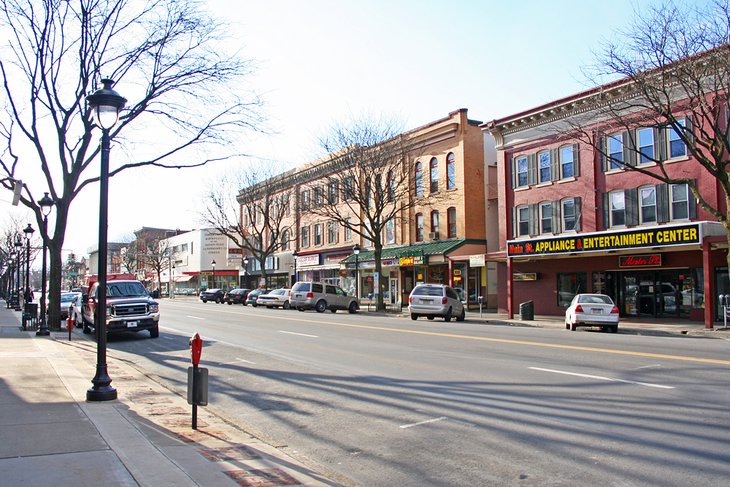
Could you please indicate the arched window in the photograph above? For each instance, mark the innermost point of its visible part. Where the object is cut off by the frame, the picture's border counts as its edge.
(435, 221)
(434, 165)
(419, 179)
(451, 221)
(419, 227)
(450, 171)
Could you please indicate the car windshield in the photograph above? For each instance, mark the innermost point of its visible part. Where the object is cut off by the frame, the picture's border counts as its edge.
(66, 298)
(428, 291)
(125, 289)
(301, 286)
(279, 292)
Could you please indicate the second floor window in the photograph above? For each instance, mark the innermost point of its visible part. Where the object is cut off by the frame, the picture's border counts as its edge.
(645, 137)
(679, 196)
(546, 217)
(451, 220)
(285, 239)
(435, 221)
(318, 234)
(567, 161)
(676, 147)
(332, 232)
(523, 221)
(419, 227)
(570, 214)
(618, 208)
(304, 235)
(647, 202)
(348, 230)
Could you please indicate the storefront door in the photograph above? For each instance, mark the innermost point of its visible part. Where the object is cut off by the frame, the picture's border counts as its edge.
(661, 294)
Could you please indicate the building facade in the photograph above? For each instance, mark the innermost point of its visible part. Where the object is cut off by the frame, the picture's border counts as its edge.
(575, 216)
(440, 235)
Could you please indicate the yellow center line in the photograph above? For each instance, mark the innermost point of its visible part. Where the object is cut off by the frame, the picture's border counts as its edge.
(523, 342)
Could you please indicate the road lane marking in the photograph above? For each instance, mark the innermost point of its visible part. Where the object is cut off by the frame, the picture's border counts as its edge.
(599, 377)
(194, 317)
(298, 334)
(521, 342)
(404, 426)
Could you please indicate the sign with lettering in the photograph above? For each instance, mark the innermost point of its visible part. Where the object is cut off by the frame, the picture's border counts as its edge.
(593, 242)
(648, 260)
(303, 260)
(411, 260)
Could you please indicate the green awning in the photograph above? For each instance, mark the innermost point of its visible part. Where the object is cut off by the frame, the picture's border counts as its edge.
(437, 247)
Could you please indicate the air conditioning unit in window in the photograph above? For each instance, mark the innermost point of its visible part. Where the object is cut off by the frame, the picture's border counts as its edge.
(433, 236)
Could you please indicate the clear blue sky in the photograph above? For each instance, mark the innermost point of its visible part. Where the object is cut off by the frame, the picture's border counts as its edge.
(322, 61)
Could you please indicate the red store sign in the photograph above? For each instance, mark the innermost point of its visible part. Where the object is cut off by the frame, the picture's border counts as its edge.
(649, 260)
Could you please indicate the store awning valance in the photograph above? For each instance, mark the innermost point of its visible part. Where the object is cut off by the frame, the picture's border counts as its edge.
(438, 247)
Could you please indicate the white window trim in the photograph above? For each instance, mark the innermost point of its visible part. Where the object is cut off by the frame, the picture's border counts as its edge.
(611, 223)
(641, 207)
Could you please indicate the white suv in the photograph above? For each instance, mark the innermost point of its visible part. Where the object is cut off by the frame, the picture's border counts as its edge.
(320, 296)
(431, 300)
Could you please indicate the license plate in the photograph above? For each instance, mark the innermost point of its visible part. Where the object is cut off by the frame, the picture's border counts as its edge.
(132, 324)
(597, 311)
(427, 301)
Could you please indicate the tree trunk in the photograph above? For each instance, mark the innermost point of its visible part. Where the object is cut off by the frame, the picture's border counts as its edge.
(377, 288)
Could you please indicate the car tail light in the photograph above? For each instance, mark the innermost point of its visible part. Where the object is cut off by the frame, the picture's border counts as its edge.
(579, 309)
(410, 299)
(310, 295)
(614, 311)
(444, 300)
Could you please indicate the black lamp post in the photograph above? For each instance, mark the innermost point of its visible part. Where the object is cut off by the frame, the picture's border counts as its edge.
(172, 281)
(29, 231)
(213, 264)
(294, 256)
(46, 203)
(105, 105)
(356, 251)
(18, 249)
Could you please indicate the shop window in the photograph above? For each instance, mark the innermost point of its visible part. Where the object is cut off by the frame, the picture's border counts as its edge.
(647, 205)
(434, 173)
(450, 171)
(451, 221)
(570, 284)
(419, 227)
(419, 179)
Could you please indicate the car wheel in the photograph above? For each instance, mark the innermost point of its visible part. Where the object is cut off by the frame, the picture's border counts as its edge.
(204, 300)
(300, 309)
(230, 303)
(573, 326)
(352, 309)
(320, 306)
(447, 316)
(567, 325)
(219, 301)
(155, 332)
(462, 316)
(286, 305)
(254, 305)
(614, 329)
(333, 310)
(429, 317)
(414, 317)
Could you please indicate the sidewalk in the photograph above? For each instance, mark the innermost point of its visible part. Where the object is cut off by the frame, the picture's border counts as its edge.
(53, 437)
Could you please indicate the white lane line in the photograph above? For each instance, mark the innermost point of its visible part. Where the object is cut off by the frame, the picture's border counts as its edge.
(298, 334)
(194, 317)
(244, 360)
(404, 426)
(598, 377)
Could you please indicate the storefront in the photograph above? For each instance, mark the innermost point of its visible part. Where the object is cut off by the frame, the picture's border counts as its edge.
(326, 267)
(658, 272)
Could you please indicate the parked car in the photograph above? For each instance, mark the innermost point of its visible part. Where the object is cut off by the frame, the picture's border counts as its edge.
(253, 296)
(592, 310)
(212, 294)
(274, 299)
(77, 310)
(67, 300)
(320, 297)
(431, 300)
(236, 296)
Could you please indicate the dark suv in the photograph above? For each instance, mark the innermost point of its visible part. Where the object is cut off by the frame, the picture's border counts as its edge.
(212, 295)
(236, 296)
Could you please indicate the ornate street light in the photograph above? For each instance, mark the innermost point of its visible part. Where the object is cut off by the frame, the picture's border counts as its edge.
(356, 251)
(46, 203)
(294, 256)
(105, 105)
(18, 249)
(244, 262)
(172, 281)
(28, 231)
(213, 264)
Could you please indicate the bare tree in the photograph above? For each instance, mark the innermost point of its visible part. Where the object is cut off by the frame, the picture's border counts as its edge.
(129, 255)
(185, 94)
(252, 208)
(158, 255)
(672, 71)
(365, 185)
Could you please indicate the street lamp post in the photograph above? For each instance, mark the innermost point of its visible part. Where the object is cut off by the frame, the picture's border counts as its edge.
(9, 282)
(29, 231)
(356, 251)
(213, 264)
(244, 261)
(104, 104)
(46, 203)
(18, 248)
(294, 256)
(172, 281)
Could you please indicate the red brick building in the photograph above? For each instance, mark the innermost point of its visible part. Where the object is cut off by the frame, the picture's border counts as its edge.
(572, 219)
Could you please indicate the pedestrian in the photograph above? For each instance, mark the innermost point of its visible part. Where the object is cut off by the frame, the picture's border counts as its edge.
(28, 295)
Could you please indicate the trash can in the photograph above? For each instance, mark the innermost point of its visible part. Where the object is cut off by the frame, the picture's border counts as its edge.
(527, 310)
(30, 316)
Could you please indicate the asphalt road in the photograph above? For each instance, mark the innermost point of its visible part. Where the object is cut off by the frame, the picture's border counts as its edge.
(381, 400)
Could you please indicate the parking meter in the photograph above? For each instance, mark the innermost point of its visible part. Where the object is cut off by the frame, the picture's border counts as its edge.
(724, 301)
(196, 348)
